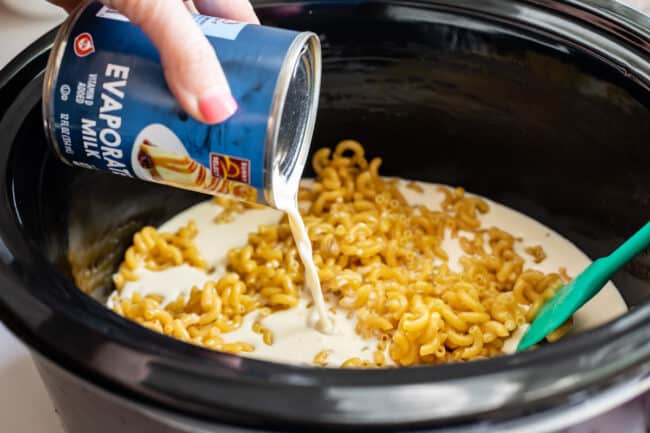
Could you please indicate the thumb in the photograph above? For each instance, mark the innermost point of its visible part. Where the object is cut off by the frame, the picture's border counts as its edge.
(190, 64)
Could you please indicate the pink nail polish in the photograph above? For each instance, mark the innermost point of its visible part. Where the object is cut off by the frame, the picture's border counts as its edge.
(216, 108)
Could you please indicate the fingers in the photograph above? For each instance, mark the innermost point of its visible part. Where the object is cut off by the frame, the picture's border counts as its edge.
(189, 4)
(190, 64)
(237, 10)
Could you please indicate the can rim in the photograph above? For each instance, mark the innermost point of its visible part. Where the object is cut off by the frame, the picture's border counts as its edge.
(52, 73)
(281, 189)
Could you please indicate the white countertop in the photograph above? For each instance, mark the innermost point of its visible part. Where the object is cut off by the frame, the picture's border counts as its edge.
(17, 31)
(24, 404)
(643, 5)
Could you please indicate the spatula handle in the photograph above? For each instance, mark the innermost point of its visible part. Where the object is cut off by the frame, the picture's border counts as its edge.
(629, 249)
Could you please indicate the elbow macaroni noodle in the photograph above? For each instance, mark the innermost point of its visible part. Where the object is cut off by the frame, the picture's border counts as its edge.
(537, 252)
(379, 258)
(159, 251)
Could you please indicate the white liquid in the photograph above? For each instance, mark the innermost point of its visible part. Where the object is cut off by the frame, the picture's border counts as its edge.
(300, 236)
(295, 341)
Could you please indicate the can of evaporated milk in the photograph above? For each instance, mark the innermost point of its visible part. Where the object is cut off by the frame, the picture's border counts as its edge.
(106, 106)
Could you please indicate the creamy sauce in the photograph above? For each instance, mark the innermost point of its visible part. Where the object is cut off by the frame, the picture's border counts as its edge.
(295, 341)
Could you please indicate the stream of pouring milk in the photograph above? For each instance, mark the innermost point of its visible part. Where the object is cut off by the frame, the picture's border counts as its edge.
(320, 318)
(295, 341)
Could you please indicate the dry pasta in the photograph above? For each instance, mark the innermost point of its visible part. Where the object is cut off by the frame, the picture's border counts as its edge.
(159, 251)
(565, 276)
(321, 358)
(415, 187)
(537, 253)
(379, 258)
(231, 207)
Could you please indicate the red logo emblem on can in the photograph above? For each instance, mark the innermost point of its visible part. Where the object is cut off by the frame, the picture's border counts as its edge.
(230, 167)
(83, 44)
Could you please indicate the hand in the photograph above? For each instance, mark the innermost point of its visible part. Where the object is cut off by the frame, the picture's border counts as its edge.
(190, 64)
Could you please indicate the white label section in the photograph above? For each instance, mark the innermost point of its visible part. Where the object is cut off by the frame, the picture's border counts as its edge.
(111, 14)
(219, 27)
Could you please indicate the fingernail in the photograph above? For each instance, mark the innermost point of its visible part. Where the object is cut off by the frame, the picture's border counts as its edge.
(217, 107)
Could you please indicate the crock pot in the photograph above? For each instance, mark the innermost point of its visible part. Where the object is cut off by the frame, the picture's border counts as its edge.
(541, 105)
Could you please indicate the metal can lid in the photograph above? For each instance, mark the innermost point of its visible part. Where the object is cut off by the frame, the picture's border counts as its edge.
(293, 119)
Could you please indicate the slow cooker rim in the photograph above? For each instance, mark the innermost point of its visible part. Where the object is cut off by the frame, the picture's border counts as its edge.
(640, 317)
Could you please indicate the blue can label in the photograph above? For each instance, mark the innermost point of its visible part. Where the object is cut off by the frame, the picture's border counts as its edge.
(110, 107)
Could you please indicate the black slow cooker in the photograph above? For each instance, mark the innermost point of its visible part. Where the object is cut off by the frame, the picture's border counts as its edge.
(541, 105)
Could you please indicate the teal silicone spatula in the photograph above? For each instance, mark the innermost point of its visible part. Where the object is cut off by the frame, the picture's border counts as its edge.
(575, 294)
